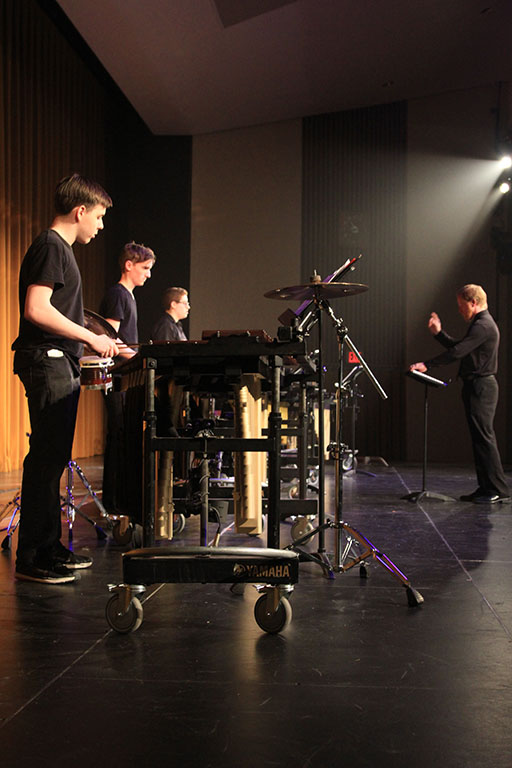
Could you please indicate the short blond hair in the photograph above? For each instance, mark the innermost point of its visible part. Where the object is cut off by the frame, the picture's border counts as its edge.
(474, 293)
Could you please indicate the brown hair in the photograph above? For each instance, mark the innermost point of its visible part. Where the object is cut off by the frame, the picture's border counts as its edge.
(172, 294)
(136, 253)
(77, 190)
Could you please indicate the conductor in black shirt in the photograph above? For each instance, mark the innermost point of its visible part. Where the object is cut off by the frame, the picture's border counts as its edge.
(478, 355)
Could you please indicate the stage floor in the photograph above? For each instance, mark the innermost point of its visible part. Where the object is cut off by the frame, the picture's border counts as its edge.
(358, 678)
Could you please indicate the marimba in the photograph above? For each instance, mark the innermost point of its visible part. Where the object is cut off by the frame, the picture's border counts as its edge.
(216, 364)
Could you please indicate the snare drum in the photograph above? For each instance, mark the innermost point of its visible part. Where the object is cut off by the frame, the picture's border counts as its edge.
(95, 373)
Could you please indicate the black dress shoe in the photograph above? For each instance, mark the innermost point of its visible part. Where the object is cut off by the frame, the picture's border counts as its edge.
(487, 498)
(471, 496)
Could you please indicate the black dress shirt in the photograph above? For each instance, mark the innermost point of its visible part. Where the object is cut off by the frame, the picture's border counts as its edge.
(477, 351)
(167, 328)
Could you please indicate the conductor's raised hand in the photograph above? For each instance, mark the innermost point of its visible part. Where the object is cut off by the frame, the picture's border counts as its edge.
(421, 367)
(434, 324)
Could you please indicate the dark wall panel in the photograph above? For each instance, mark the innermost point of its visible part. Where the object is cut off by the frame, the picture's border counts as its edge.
(151, 182)
(354, 202)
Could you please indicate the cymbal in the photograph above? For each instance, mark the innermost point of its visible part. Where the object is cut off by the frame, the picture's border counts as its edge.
(319, 290)
(98, 325)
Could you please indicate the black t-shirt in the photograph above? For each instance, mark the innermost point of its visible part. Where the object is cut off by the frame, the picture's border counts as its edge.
(119, 304)
(50, 259)
(167, 329)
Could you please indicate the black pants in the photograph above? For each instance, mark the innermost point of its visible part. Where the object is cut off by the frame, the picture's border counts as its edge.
(480, 398)
(52, 387)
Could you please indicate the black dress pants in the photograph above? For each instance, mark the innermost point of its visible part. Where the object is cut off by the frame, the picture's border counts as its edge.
(52, 387)
(480, 398)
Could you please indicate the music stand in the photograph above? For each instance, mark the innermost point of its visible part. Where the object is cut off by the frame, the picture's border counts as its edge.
(417, 496)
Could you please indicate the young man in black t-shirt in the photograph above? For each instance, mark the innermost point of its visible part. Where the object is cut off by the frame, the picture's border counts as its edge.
(47, 352)
(119, 308)
(176, 308)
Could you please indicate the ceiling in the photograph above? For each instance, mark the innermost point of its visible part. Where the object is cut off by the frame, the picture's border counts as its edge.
(200, 66)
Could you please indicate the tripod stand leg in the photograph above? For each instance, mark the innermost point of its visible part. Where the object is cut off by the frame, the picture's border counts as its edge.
(72, 511)
(11, 525)
(320, 558)
(414, 598)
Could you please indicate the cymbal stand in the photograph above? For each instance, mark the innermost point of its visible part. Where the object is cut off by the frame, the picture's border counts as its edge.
(346, 553)
(320, 557)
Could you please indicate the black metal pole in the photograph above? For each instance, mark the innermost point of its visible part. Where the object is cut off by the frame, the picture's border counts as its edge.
(302, 440)
(321, 440)
(274, 459)
(148, 496)
(425, 441)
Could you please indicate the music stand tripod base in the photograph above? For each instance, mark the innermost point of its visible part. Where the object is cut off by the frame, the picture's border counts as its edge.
(418, 496)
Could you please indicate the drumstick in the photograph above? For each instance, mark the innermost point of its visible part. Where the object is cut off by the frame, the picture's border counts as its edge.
(143, 343)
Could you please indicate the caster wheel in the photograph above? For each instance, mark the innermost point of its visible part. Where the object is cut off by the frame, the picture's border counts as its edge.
(124, 622)
(238, 588)
(313, 476)
(6, 543)
(273, 622)
(293, 492)
(178, 523)
(300, 528)
(363, 571)
(122, 537)
(348, 462)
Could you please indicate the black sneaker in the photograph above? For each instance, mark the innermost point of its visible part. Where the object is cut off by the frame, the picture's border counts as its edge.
(70, 561)
(57, 575)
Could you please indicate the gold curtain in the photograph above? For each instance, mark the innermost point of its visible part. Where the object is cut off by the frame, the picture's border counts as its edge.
(52, 123)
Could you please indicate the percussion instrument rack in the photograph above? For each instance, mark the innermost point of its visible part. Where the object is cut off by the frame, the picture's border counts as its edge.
(209, 365)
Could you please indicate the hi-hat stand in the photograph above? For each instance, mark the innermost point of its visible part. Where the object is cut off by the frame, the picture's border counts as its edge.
(118, 524)
(68, 506)
(351, 546)
(417, 496)
(71, 509)
(12, 508)
(122, 530)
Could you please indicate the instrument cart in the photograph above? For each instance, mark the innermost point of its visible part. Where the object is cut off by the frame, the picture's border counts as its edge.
(220, 361)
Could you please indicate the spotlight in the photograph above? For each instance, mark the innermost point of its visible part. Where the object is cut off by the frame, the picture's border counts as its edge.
(504, 187)
(506, 161)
